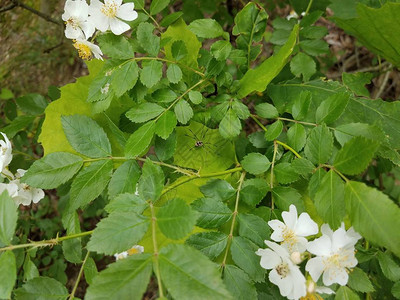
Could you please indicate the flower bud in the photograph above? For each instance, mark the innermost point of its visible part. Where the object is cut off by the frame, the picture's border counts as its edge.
(296, 257)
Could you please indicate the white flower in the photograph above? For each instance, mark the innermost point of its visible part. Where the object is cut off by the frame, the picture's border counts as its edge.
(335, 254)
(313, 290)
(76, 19)
(86, 49)
(108, 15)
(293, 231)
(11, 188)
(26, 194)
(5, 155)
(137, 249)
(284, 274)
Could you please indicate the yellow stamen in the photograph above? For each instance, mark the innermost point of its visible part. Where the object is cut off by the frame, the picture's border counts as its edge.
(133, 251)
(84, 51)
(109, 10)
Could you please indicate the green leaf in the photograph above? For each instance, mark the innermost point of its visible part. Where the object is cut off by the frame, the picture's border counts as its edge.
(124, 77)
(297, 136)
(32, 104)
(42, 288)
(89, 183)
(329, 199)
(242, 251)
(18, 124)
(86, 136)
(196, 97)
(255, 163)
(251, 195)
(344, 293)
(285, 173)
(314, 47)
(174, 73)
(396, 290)
(241, 110)
(331, 108)
(171, 18)
(302, 166)
(302, 64)
(144, 112)
(258, 79)
(221, 50)
(319, 145)
(166, 124)
(389, 267)
(209, 243)
(285, 196)
(230, 125)
(301, 105)
(176, 219)
(157, 6)
(274, 130)
(356, 82)
(118, 232)
(8, 218)
(373, 28)
(151, 73)
(164, 95)
(359, 281)
(151, 182)
(373, 215)
(52, 170)
(218, 189)
(126, 203)
(267, 111)
(183, 111)
(140, 140)
(126, 279)
(72, 249)
(355, 155)
(346, 132)
(206, 28)
(254, 228)
(165, 149)
(213, 213)
(115, 46)
(90, 270)
(239, 283)
(179, 50)
(179, 268)
(30, 269)
(124, 179)
(149, 42)
(8, 273)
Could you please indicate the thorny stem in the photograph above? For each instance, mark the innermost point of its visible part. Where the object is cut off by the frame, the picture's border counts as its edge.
(47, 243)
(78, 279)
(272, 173)
(190, 178)
(234, 214)
(155, 246)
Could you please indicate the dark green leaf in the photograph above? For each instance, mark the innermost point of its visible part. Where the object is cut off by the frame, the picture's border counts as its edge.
(124, 77)
(183, 111)
(230, 125)
(206, 28)
(140, 140)
(8, 218)
(151, 182)
(178, 50)
(285, 173)
(344, 293)
(218, 189)
(239, 283)
(331, 108)
(254, 228)
(174, 73)
(302, 166)
(149, 42)
(213, 213)
(151, 73)
(255, 163)
(157, 6)
(221, 50)
(389, 267)
(285, 196)
(165, 149)
(301, 105)
(302, 64)
(359, 281)
(124, 179)
(319, 145)
(144, 112)
(297, 136)
(267, 111)
(166, 124)
(126, 203)
(115, 46)
(210, 243)
(42, 288)
(8, 273)
(32, 104)
(196, 97)
(274, 130)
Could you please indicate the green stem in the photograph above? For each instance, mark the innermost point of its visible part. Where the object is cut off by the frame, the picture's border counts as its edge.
(299, 122)
(308, 7)
(234, 214)
(155, 246)
(288, 148)
(258, 122)
(336, 171)
(197, 176)
(46, 243)
(24, 154)
(78, 279)
(272, 173)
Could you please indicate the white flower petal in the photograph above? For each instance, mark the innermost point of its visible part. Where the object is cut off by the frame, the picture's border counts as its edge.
(305, 226)
(315, 266)
(95, 7)
(71, 32)
(269, 259)
(299, 284)
(340, 239)
(301, 245)
(281, 251)
(324, 290)
(126, 12)
(290, 217)
(335, 275)
(118, 27)
(88, 28)
(326, 230)
(100, 21)
(320, 246)
(284, 284)
(37, 195)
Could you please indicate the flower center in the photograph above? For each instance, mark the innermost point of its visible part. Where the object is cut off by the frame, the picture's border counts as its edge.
(110, 9)
(282, 269)
(72, 22)
(84, 51)
(289, 237)
(3, 150)
(133, 251)
(26, 187)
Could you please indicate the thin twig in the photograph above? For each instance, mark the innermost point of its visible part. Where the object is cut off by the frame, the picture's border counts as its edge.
(11, 6)
(383, 85)
(36, 12)
(78, 279)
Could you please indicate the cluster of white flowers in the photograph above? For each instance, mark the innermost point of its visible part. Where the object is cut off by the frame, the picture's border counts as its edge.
(334, 255)
(82, 20)
(20, 192)
(137, 249)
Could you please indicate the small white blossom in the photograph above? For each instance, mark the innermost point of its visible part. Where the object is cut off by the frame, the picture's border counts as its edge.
(137, 249)
(108, 15)
(26, 194)
(11, 188)
(313, 289)
(335, 255)
(284, 273)
(104, 90)
(87, 50)
(293, 231)
(76, 19)
(5, 155)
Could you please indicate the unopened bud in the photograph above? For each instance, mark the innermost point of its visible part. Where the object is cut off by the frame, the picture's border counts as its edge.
(296, 257)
